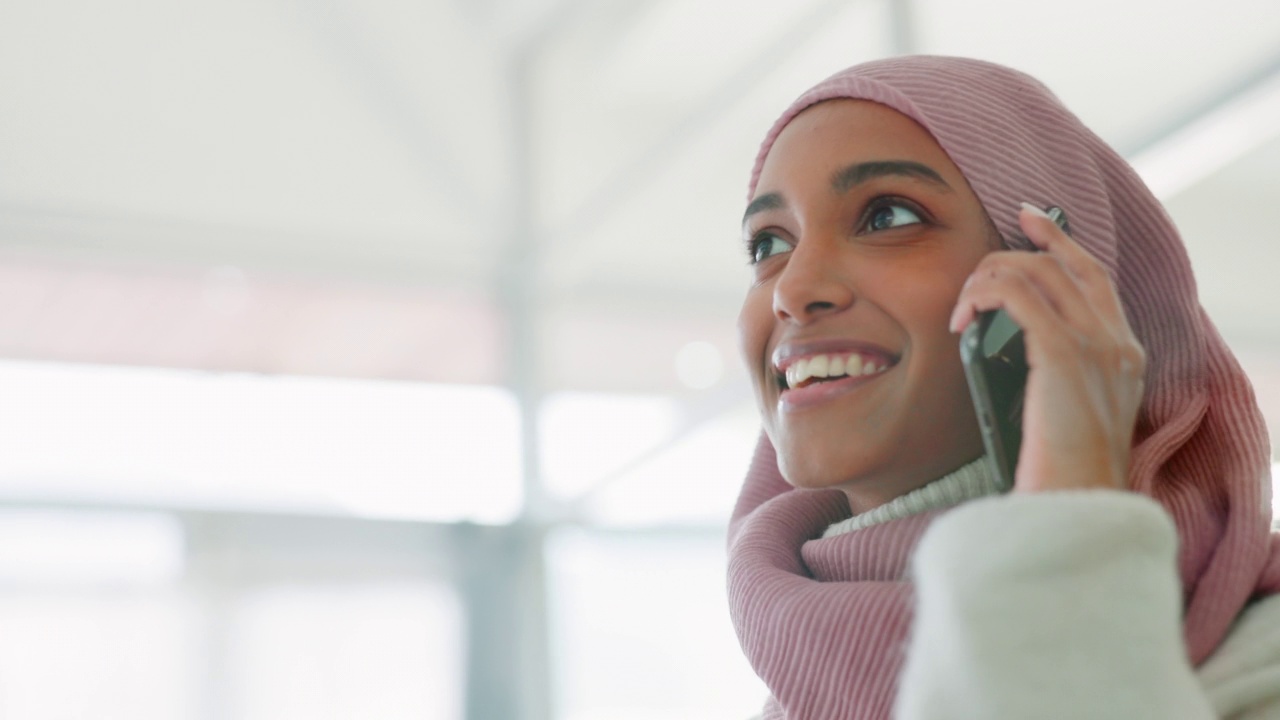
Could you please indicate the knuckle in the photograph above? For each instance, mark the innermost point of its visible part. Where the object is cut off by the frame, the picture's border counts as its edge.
(1062, 345)
(991, 265)
(1038, 262)
(1087, 341)
(1135, 359)
(1126, 359)
(983, 272)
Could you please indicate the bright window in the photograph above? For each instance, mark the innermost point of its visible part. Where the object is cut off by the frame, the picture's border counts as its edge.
(641, 628)
(642, 460)
(85, 433)
(345, 652)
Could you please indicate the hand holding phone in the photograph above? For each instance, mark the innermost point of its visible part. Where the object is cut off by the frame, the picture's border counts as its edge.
(995, 363)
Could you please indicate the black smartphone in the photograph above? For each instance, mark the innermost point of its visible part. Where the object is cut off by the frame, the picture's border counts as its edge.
(995, 362)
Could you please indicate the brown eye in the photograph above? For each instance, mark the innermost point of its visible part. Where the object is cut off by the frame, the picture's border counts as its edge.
(891, 216)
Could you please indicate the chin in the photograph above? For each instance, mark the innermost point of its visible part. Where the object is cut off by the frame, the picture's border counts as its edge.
(811, 467)
(868, 478)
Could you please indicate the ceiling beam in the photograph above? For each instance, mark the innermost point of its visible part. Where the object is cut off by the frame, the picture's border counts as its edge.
(1241, 117)
(337, 30)
(575, 234)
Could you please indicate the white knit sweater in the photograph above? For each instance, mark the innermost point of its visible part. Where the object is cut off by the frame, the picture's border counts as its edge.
(1065, 605)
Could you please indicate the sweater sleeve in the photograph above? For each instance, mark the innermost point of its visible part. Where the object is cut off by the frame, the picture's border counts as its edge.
(1053, 605)
(1242, 679)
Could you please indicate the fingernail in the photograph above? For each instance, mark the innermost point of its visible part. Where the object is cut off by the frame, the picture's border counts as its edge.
(1035, 210)
(952, 325)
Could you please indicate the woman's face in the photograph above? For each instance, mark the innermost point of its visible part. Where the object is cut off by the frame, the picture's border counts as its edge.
(862, 232)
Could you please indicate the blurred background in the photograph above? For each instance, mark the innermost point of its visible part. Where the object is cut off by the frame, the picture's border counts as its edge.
(376, 359)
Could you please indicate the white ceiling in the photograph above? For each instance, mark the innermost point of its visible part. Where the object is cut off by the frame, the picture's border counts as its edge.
(480, 191)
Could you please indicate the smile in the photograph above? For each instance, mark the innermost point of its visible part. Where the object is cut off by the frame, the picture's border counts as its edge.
(802, 372)
(807, 376)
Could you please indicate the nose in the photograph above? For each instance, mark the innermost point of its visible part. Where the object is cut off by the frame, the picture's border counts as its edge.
(812, 284)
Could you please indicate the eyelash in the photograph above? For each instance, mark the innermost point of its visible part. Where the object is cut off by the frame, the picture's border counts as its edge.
(873, 206)
(753, 245)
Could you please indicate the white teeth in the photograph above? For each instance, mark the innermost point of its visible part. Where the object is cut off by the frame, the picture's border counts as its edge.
(836, 368)
(854, 366)
(829, 366)
(818, 366)
(793, 374)
(802, 369)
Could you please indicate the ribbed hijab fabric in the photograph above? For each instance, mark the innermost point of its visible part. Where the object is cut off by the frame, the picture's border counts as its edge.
(824, 622)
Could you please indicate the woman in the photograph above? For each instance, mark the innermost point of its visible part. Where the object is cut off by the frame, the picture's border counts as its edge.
(1130, 572)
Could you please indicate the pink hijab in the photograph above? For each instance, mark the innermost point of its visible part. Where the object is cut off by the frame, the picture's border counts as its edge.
(824, 622)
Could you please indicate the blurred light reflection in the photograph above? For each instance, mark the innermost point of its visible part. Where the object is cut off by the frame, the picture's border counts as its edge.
(85, 433)
(59, 547)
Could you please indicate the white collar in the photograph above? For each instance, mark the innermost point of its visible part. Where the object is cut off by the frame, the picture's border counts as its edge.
(970, 481)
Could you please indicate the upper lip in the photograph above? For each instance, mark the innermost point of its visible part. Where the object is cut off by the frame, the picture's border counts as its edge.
(786, 354)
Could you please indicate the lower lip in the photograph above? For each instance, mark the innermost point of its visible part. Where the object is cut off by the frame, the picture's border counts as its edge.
(821, 392)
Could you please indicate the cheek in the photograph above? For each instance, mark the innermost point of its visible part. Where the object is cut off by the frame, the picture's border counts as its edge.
(936, 291)
(755, 323)
(922, 301)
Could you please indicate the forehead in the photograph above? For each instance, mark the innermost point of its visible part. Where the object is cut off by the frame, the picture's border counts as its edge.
(836, 133)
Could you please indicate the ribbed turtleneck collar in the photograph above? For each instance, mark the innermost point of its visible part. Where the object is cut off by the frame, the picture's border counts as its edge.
(970, 481)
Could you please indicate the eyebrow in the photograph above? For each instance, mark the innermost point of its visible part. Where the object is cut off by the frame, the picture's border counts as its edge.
(846, 179)
(768, 201)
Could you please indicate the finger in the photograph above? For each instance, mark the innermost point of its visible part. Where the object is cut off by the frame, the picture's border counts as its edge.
(1092, 276)
(1049, 338)
(1009, 289)
(1053, 281)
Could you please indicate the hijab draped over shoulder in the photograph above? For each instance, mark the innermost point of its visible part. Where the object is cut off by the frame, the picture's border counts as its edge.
(824, 622)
